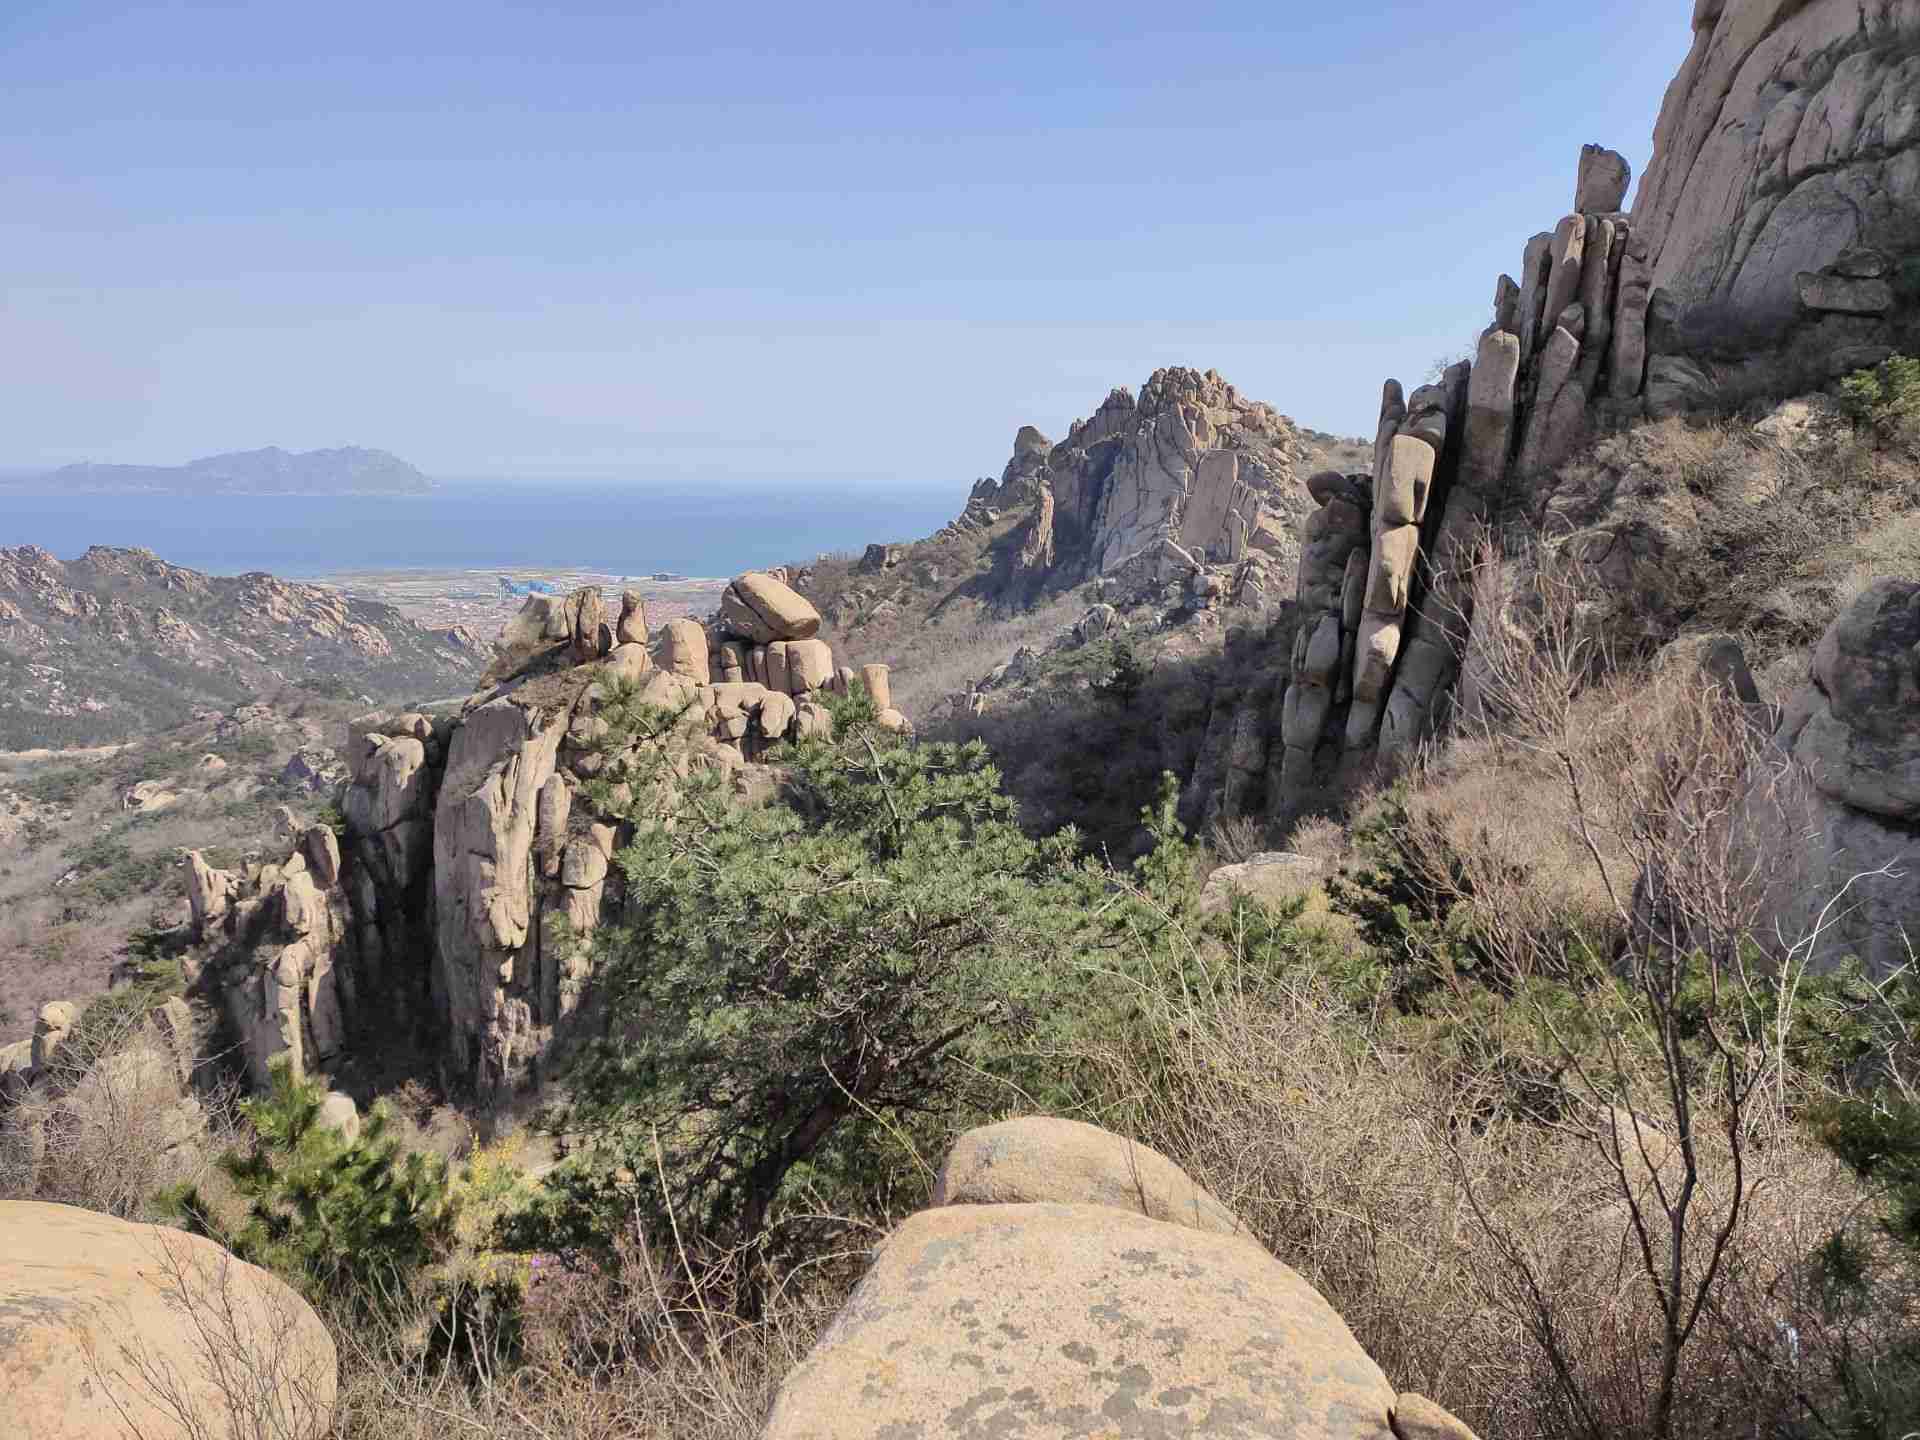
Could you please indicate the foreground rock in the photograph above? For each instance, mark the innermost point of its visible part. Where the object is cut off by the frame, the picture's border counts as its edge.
(109, 1328)
(1042, 1299)
(1040, 1157)
(1047, 1320)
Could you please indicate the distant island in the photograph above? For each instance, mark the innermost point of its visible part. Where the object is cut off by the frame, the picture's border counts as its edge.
(350, 470)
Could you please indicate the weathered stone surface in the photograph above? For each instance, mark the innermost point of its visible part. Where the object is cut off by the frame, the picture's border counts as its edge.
(1843, 294)
(760, 609)
(683, 650)
(776, 715)
(809, 666)
(533, 637)
(878, 681)
(1040, 1158)
(50, 1031)
(1417, 1418)
(1271, 878)
(1054, 1321)
(338, 1112)
(631, 628)
(93, 1304)
(1790, 138)
(894, 720)
(1601, 187)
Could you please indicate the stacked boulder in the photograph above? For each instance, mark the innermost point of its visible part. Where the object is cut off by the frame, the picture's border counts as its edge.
(1068, 1282)
(476, 861)
(1385, 590)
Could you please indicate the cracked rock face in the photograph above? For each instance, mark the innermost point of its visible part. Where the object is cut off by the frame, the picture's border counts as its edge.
(1786, 160)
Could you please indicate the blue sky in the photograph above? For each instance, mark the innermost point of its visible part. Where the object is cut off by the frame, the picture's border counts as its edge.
(761, 243)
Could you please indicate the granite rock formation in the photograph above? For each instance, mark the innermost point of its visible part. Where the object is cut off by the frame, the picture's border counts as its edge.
(1153, 1324)
(1191, 464)
(474, 865)
(1776, 234)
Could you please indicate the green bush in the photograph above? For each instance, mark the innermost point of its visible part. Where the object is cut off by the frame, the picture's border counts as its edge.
(355, 1219)
(805, 989)
(1886, 398)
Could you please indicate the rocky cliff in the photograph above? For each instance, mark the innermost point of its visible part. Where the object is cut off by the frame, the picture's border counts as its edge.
(119, 643)
(1776, 234)
(1191, 469)
(475, 864)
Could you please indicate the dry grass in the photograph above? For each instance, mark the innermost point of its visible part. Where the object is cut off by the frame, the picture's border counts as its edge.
(1360, 1165)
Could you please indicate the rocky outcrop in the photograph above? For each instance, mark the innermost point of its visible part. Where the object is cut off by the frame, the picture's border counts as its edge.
(111, 1328)
(475, 864)
(118, 642)
(1048, 1305)
(1776, 234)
(1853, 835)
(1191, 463)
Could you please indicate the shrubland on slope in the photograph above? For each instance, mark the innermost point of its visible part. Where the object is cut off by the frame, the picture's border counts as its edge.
(119, 643)
(1568, 1081)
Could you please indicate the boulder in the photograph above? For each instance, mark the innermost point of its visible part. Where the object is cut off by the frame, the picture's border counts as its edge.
(760, 609)
(111, 1328)
(1049, 1321)
(338, 1112)
(1271, 878)
(879, 684)
(1415, 1417)
(1040, 1158)
(1601, 188)
(631, 627)
(50, 1030)
(894, 721)
(809, 666)
(683, 651)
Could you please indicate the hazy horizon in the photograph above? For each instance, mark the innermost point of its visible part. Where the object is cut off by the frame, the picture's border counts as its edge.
(808, 248)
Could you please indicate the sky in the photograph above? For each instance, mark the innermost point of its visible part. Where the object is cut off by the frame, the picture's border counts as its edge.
(758, 244)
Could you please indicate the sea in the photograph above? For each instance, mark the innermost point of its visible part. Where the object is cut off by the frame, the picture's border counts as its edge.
(614, 528)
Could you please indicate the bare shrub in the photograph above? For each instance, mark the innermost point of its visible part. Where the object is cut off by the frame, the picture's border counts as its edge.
(1237, 840)
(1435, 1218)
(111, 1122)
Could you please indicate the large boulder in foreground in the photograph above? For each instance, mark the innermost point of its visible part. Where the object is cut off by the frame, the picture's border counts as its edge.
(109, 1328)
(1040, 1158)
(760, 609)
(1042, 1322)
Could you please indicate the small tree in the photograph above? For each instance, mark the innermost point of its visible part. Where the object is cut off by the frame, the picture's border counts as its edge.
(1885, 398)
(336, 1215)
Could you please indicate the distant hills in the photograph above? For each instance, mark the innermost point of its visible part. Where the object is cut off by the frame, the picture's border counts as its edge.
(350, 470)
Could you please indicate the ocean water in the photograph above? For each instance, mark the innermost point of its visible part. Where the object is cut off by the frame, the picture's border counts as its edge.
(624, 530)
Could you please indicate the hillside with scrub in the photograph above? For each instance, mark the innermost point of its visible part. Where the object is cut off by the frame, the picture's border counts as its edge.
(1243, 933)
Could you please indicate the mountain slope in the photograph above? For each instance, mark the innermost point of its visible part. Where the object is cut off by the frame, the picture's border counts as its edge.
(120, 643)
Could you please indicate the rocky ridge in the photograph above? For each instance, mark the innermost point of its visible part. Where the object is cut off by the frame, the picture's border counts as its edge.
(473, 865)
(119, 642)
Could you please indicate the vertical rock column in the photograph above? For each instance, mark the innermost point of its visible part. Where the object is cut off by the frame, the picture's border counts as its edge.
(1333, 537)
(1438, 629)
(1402, 481)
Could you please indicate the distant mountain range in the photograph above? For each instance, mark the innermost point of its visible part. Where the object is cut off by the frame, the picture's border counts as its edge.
(351, 470)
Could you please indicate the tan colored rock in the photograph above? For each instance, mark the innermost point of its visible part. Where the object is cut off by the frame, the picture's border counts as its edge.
(97, 1308)
(338, 1112)
(732, 659)
(586, 613)
(209, 893)
(812, 721)
(1041, 1158)
(1601, 188)
(777, 677)
(1415, 1417)
(1534, 275)
(1053, 1321)
(760, 609)
(683, 650)
(534, 636)
(1566, 261)
(631, 628)
(809, 666)
(1274, 877)
(628, 661)
(894, 721)
(50, 1030)
(776, 715)
(878, 680)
